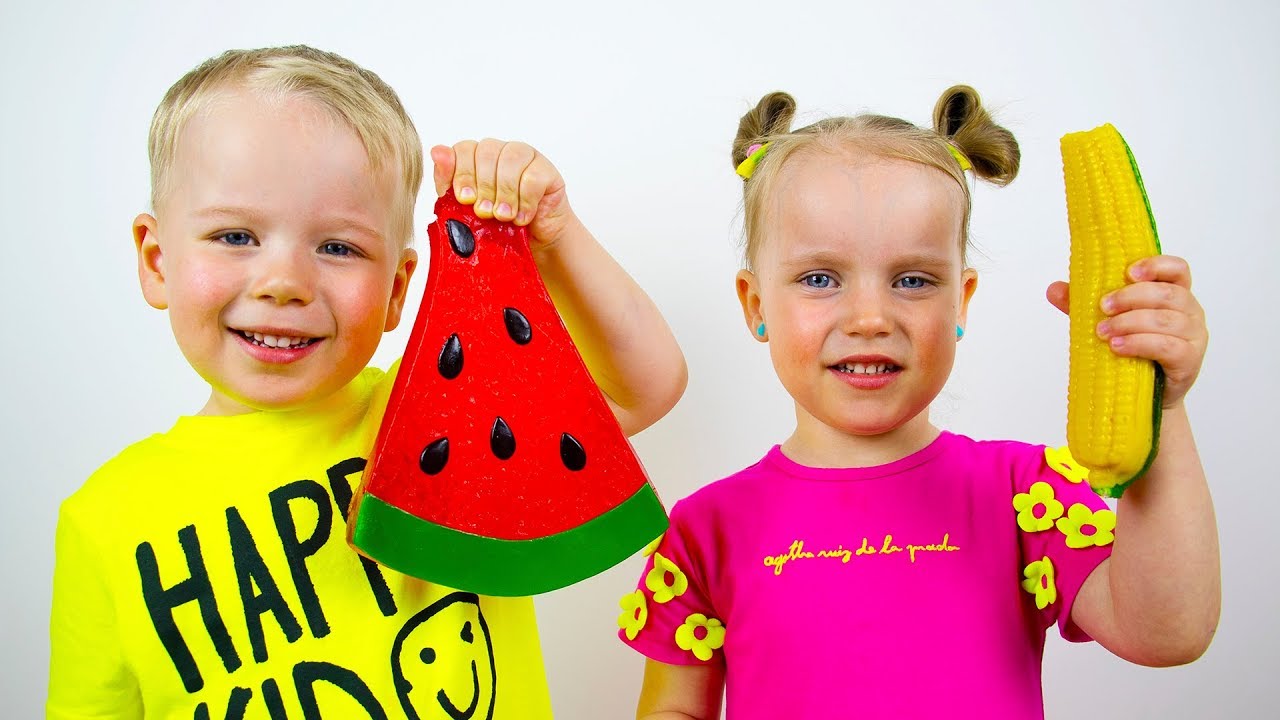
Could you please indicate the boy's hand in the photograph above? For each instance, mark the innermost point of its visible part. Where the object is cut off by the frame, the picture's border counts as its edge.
(1155, 317)
(509, 181)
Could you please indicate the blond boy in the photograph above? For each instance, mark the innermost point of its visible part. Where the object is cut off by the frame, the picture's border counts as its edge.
(203, 573)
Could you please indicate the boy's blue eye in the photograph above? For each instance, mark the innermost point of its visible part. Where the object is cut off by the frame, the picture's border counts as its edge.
(913, 282)
(817, 281)
(336, 248)
(237, 238)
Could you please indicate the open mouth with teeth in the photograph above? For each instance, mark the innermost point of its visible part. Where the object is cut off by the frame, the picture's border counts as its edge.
(275, 341)
(866, 368)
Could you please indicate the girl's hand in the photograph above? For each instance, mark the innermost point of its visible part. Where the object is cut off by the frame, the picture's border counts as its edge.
(1155, 317)
(509, 181)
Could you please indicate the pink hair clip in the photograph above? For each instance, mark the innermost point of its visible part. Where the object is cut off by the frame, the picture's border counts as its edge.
(754, 154)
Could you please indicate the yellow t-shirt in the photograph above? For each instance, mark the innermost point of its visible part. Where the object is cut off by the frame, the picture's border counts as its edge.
(204, 573)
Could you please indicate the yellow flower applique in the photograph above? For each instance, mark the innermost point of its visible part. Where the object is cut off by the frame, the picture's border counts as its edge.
(1037, 509)
(665, 580)
(635, 613)
(1088, 528)
(1060, 461)
(653, 546)
(1039, 582)
(700, 635)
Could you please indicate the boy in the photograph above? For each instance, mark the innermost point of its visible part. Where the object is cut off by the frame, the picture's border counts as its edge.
(203, 572)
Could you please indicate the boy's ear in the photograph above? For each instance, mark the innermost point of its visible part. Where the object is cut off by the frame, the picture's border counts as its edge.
(400, 287)
(150, 261)
(968, 284)
(749, 295)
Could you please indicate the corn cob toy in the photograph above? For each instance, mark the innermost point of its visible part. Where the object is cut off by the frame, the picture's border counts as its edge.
(1113, 402)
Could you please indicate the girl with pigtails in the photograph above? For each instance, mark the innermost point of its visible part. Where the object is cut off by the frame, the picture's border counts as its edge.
(873, 565)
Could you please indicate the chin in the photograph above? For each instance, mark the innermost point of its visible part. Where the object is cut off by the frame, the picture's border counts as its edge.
(863, 426)
(265, 401)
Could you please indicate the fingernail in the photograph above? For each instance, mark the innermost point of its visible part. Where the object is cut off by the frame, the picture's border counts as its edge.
(1138, 272)
(503, 211)
(484, 206)
(1108, 303)
(1104, 329)
(1117, 343)
(466, 194)
(522, 218)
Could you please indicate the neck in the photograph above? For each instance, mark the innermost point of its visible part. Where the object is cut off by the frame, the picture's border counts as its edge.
(816, 444)
(220, 404)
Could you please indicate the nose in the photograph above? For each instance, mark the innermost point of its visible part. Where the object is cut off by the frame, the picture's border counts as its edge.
(283, 276)
(867, 311)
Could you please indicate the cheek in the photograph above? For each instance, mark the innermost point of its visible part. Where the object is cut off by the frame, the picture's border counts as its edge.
(800, 323)
(937, 343)
(796, 335)
(363, 303)
(200, 291)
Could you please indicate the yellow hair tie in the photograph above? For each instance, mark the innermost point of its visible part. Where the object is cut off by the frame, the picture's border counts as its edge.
(754, 154)
(965, 165)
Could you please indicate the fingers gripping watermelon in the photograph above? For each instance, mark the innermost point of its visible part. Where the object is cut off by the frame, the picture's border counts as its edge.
(499, 467)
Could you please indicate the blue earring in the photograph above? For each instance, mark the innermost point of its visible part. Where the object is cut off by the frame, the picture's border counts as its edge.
(959, 332)
(760, 330)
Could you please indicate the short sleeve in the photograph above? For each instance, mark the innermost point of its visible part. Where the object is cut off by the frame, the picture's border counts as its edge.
(1064, 530)
(669, 617)
(88, 677)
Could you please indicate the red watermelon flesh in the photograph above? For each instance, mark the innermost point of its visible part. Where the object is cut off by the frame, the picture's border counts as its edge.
(499, 467)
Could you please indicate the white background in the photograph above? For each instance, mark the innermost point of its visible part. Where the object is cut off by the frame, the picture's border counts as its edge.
(637, 104)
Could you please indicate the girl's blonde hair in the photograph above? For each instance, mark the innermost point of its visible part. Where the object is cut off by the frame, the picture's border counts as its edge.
(354, 95)
(959, 122)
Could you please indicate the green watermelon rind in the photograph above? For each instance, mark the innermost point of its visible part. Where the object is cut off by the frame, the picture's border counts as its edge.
(506, 568)
(1157, 395)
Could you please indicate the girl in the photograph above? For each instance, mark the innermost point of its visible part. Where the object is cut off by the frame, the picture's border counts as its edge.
(873, 565)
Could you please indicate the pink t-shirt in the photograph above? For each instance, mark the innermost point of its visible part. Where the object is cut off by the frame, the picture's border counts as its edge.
(918, 589)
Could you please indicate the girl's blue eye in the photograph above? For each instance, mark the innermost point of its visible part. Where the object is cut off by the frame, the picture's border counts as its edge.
(913, 282)
(335, 248)
(817, 281)
(236, 238)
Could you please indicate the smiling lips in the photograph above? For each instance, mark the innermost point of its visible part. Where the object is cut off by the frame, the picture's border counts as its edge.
(275, 348)
(866, 372)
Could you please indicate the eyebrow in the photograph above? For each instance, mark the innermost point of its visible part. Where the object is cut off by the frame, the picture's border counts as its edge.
(825, 258)
(229, 211)
(219, 212)
(822, 258)
(925, 259)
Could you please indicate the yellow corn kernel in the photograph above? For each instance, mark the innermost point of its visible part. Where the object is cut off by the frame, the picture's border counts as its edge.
(1113, 403)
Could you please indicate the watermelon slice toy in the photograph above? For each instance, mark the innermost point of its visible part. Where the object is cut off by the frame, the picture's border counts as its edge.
(499, 467)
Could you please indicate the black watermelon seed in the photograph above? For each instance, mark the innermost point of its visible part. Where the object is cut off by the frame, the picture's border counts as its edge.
(460, 237)
(517, 326)
(434, 456)
(451, 357)
(501, 441)
(571, 452)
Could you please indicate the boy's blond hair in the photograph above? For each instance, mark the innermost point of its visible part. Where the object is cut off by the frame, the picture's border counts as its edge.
(354, 95)
(962, 128)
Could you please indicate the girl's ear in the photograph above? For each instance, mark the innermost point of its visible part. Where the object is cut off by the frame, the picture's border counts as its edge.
(146, 240)
(749, 295)
(399, 287)
(968, 284)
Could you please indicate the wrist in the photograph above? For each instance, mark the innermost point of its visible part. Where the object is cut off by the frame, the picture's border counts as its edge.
(552, 246)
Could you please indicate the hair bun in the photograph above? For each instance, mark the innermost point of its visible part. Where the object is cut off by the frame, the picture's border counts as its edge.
(771, 116)
(992, 150)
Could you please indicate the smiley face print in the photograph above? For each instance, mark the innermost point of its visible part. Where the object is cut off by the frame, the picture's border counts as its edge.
(442, 662)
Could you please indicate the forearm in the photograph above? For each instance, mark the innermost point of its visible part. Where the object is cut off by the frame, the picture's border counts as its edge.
(1164, 576)
(680, 692)
(624, 340)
